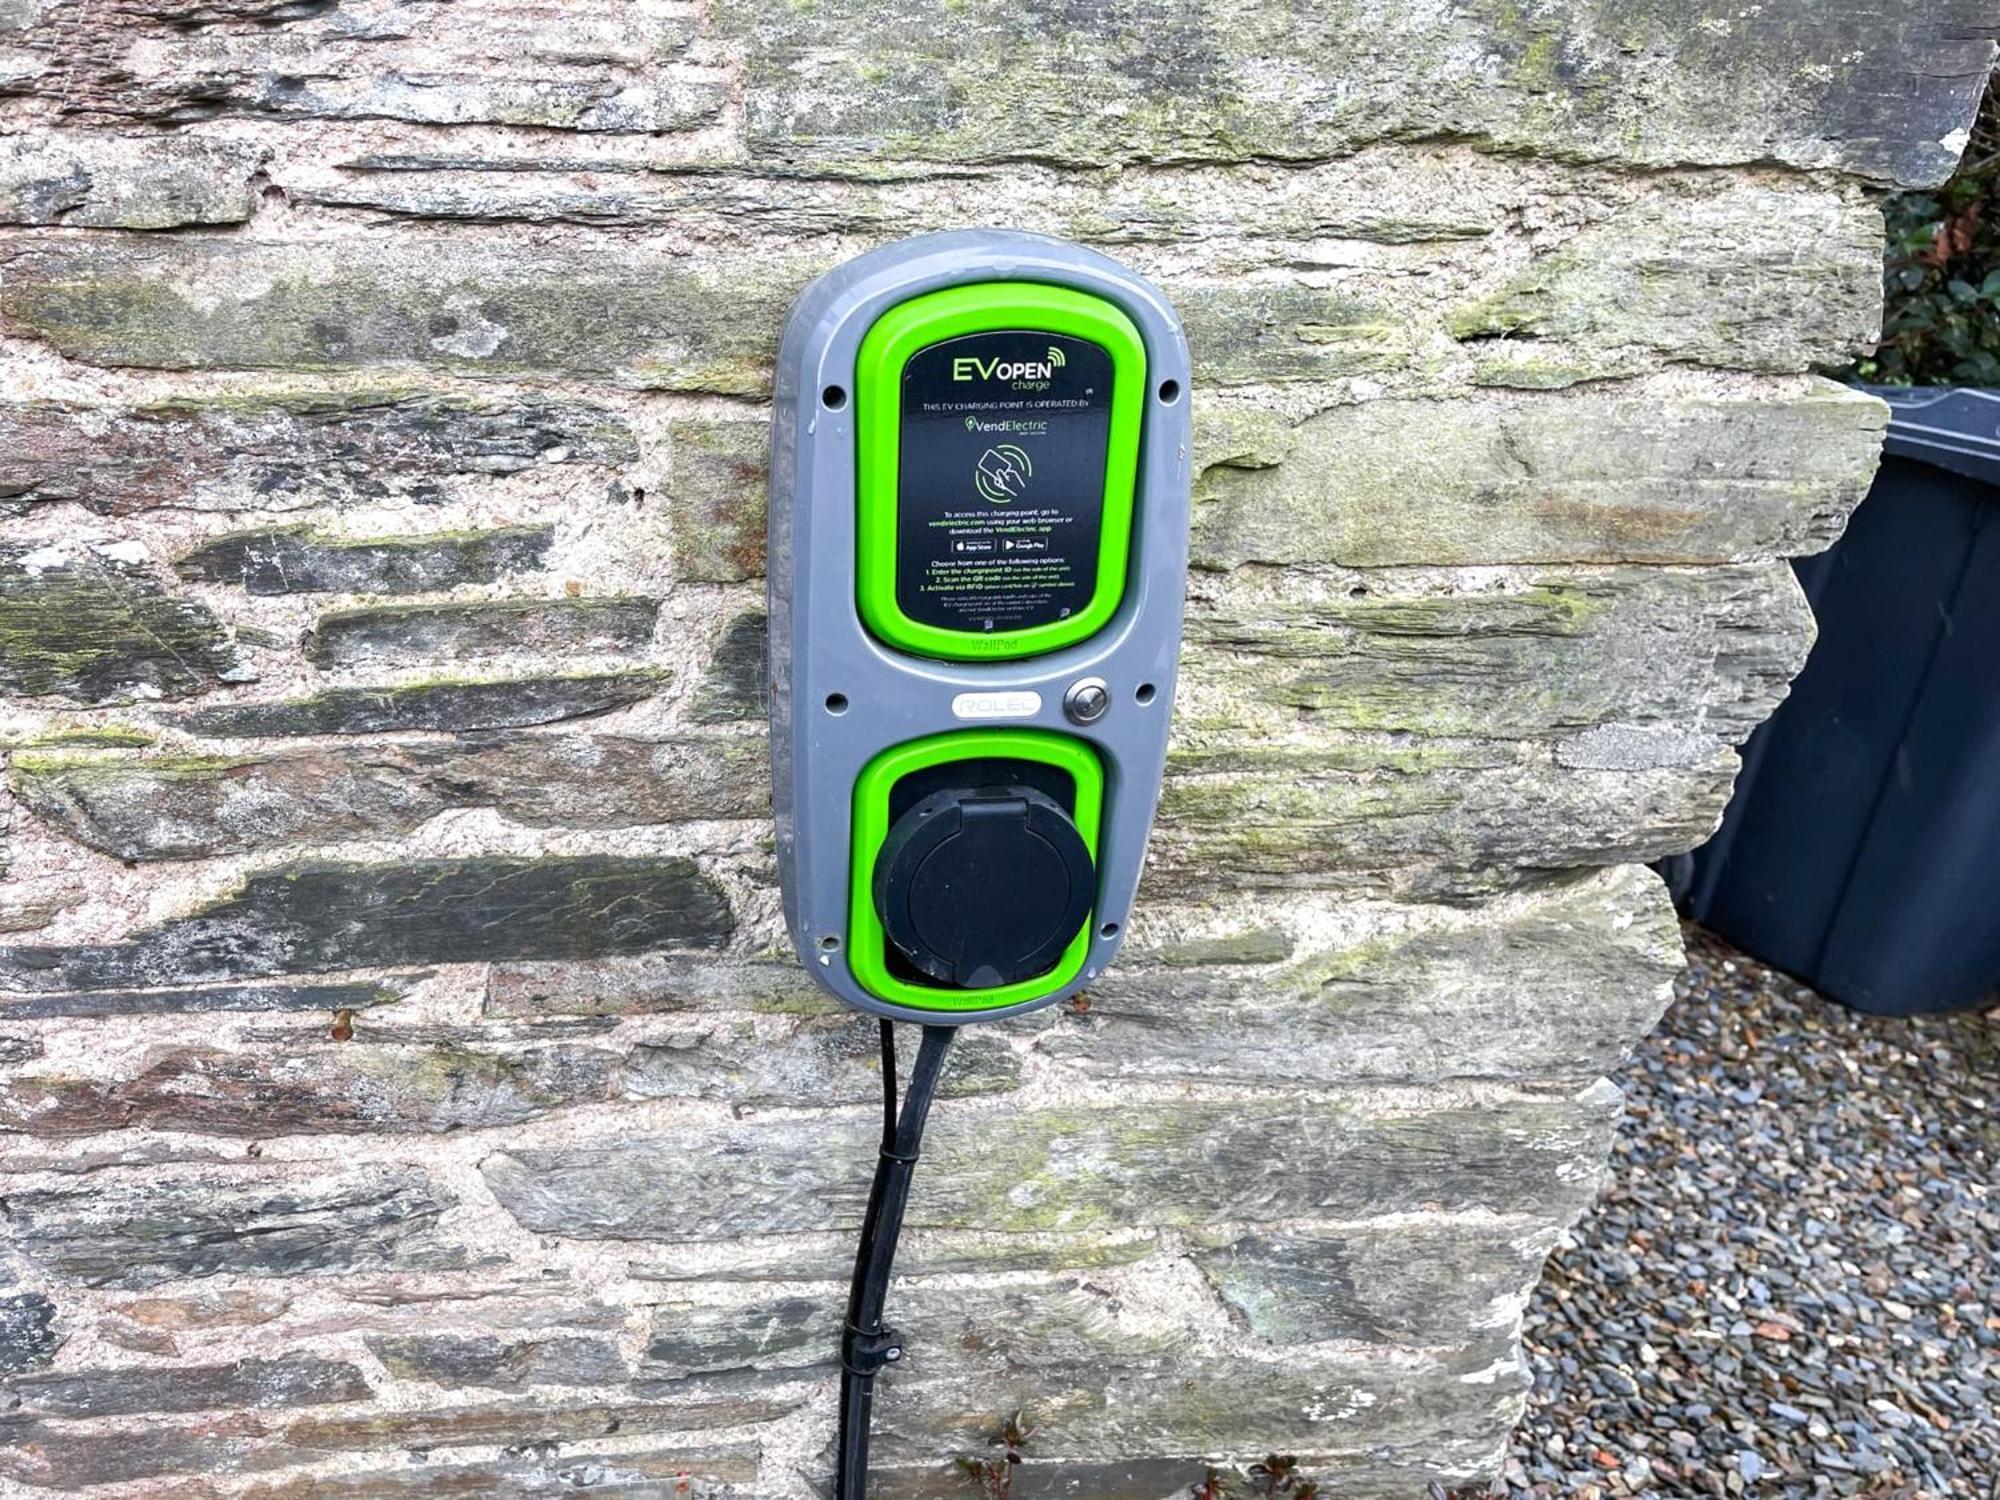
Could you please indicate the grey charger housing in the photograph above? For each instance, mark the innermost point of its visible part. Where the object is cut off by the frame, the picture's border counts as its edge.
(822, 655)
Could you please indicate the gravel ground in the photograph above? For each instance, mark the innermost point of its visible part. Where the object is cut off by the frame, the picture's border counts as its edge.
(1792, 1286)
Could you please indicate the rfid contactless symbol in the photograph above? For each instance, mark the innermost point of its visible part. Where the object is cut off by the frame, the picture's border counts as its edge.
(978, 548)
(1003, 473)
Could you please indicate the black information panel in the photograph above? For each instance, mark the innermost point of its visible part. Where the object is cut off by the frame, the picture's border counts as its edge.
(1000, 479)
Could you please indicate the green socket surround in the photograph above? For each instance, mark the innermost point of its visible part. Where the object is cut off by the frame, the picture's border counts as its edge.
(986, 307)
(867, 956)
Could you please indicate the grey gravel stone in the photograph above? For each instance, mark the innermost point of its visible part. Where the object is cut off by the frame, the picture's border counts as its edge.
(1787, 1291)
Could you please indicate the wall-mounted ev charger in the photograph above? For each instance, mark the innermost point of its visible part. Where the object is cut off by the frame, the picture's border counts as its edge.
(978, 550)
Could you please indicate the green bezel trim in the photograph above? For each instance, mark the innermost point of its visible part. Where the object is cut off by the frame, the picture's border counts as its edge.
(866, 942)
(986, 307)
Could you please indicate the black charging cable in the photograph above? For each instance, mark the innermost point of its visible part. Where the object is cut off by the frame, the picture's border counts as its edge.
(866, 1346)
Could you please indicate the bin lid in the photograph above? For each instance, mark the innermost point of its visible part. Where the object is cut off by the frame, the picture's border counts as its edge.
(1951, 427)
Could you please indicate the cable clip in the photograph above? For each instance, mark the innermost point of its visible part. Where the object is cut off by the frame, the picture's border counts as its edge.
(865, 1354)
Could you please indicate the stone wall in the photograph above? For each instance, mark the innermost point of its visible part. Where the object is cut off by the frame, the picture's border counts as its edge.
(405, 1090)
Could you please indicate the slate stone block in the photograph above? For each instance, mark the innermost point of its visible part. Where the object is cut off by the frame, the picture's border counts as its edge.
(143, 809)
(653, 984)
(261, 1384)
(512, 64)
(1545, 655)
(736, 682)
(179, 1223)
(103, 1004)
(1656, 85)
(28, 1337)
(1589, 479)
(657, 321)
(454, 1360)
(1555, 987)
(111, 182)
(318, 917)
(1425, 1284)
(91, 624)
(1073, 1168)
(781, 1332)
(288, 445)
(708, 1472)
(417, 634)
(1147, 1386)
(1285, 820)
(301, 560)
(383, 1078)
(525, 1425)
(503, 703)
(716, 483)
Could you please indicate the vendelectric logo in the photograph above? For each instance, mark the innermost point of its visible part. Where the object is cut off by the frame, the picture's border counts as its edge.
(1027, 426)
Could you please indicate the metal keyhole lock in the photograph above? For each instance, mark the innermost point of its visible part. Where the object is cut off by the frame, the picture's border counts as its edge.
(1087, 701)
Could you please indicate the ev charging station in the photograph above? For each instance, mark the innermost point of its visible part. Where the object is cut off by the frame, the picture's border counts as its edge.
(977, 555)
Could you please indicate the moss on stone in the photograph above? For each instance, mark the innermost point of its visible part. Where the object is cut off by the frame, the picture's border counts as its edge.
(109, 737)
(1533, 370)
(94, 630)
(164, 766)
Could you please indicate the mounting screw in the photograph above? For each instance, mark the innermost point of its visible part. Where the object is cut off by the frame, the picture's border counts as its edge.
(1087, 701)
(893, 1353)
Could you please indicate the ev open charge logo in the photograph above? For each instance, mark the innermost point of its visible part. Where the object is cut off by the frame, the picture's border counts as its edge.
(1022, 374)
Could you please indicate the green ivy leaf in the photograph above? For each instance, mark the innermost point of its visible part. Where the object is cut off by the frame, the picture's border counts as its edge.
(1941, 275)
